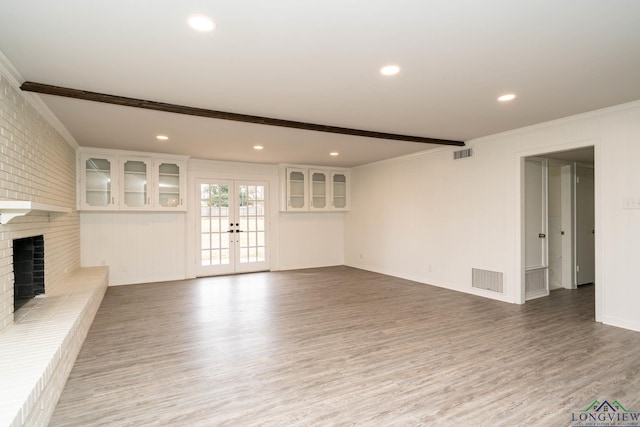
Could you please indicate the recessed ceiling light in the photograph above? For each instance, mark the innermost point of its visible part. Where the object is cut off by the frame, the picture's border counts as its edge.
(334, 153)
(507, 97)
(389, 70)
(162, 137)
(258, 147)
(201, 23)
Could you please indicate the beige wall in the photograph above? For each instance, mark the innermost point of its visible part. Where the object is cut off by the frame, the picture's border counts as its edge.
(36, 164)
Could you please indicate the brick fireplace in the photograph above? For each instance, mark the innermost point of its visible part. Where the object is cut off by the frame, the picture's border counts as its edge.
(39, 342)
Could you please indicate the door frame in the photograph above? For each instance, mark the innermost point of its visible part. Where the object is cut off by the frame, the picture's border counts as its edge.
(234, 235)
(225, 171)
(519, 172)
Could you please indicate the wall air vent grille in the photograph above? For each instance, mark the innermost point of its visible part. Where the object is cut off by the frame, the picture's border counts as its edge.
(487, 280)
(535, 283)
(462, 154)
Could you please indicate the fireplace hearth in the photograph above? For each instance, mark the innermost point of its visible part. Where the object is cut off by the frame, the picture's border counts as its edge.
(28, 269)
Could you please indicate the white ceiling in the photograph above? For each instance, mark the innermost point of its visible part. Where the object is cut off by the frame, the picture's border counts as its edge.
(318, 61)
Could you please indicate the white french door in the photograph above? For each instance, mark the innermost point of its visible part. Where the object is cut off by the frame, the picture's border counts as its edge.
(232, 227)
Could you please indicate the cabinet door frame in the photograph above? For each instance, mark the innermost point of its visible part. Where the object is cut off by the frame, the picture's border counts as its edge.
(148, 203)
(113, 204)
(182, 184)
(347, 192)
(303, 186)
(327, 190)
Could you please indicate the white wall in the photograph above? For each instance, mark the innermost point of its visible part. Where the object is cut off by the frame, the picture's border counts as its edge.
(311, 239)
(431, 219)
(137, 247)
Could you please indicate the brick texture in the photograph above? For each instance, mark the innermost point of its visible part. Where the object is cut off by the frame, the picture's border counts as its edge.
(38, 165)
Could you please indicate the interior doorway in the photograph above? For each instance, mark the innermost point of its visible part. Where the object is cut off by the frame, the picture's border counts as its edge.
(559, 221)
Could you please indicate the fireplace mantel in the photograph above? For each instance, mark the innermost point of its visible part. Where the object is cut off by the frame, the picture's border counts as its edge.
(10, 209)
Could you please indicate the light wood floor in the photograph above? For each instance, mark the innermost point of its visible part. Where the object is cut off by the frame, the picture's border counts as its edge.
(340, 346)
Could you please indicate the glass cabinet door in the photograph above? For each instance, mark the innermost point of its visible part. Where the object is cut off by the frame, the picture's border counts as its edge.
(135, 180)
(319, 190)
(339, 190)
(296, 189)
(169, 185)
(97, 186)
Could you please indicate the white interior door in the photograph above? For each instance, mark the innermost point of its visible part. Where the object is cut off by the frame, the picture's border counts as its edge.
(555, 235)
(585, 226)
(560, 224)
(536, 266)
(232, 227)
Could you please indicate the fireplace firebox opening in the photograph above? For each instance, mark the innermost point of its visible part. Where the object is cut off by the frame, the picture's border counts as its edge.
(28, 269)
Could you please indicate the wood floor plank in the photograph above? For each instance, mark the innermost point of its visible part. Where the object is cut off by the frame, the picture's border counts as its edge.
(341, 346)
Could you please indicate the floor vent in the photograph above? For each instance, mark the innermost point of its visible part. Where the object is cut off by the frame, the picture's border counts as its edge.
(487, 280)
(462, 154)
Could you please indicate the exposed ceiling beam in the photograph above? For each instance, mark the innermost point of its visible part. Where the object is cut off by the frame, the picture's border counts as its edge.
(203, 112)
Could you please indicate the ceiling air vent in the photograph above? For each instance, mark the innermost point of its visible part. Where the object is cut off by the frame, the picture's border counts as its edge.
(462, 154)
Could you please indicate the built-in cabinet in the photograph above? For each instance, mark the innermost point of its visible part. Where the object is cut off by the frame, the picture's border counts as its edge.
(339, 184)
(117, 180)
(315, 189)
(97, 174)
(297, 189)
(319, 190)
(134, 188)
(170, 188)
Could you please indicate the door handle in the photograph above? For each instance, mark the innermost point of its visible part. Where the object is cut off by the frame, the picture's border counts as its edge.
(542, 235)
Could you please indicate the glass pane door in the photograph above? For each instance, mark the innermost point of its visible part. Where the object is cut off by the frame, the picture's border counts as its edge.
(339, 190)
(232, 227)
(98, 182)
(318, 190)
(169, 185)
(251, 232)
(135, 174)
(296, 188)
(215, 228)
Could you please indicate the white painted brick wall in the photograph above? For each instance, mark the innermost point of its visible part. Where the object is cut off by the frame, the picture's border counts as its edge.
(36, 164)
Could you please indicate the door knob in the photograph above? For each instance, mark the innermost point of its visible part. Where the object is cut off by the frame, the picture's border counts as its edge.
(542, 235)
